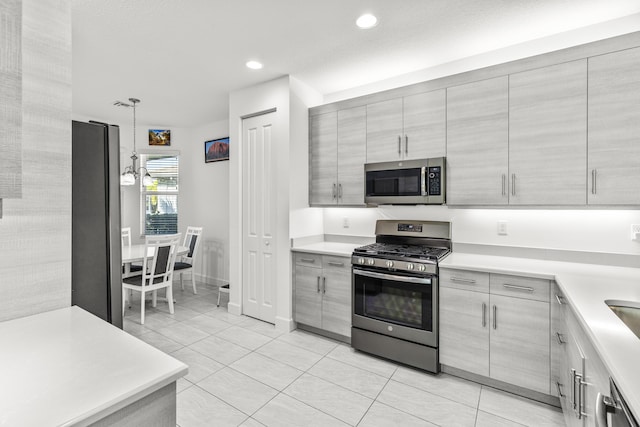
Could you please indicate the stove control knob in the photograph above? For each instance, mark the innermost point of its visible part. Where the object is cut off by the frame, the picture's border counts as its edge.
(422, 267)
(389, 264)
(360, 260)
(409, 266)
(370, 262)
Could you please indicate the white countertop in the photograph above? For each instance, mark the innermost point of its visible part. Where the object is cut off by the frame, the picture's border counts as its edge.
(586, 286)
(328, 248)
(68, 367)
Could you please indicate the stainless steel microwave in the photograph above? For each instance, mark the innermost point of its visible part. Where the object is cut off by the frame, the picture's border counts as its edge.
(408, 182)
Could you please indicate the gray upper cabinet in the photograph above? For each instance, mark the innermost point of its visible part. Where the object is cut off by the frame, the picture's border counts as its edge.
(614, 128)
(406, 128)
(478, 142)
(548, 134)
(337, 155)
(352, 131)
(323, 161)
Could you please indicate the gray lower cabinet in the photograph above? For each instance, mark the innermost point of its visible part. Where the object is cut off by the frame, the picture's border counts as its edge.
(337, 153)
(614, 125)
(322, 292)
(496, 326)
(580, 372)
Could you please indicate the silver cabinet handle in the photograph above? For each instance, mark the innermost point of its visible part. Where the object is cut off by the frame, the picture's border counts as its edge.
(399, 145)
(594, 176)
(462, 280)
(560, 299)
(513, 184)
(572, 398)
(484, 314)
(559, 338)
(318, 285)
(336, 264)
(559, 387)
(518, 288)
(333, 192)
(307, 260)
(495, 317)
(340, 191)
(324, 285)
(580, 413)
(406, 144)
(504, 185)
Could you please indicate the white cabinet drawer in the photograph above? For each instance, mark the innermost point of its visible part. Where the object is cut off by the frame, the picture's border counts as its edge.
(520, 287)
(463, 279)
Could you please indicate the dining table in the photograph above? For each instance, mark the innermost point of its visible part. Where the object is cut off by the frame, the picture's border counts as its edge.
(135, 254)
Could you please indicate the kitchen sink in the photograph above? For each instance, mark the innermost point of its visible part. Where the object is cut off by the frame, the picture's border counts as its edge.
(628, 312)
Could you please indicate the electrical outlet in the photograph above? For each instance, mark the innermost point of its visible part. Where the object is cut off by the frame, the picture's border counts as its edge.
(345, 222)
(502, 228)
(635, 231)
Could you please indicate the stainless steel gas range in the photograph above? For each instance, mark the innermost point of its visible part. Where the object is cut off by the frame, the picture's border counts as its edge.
(395, 292)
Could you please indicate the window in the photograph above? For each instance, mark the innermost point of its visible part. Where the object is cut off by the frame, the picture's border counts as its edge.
(159, 201)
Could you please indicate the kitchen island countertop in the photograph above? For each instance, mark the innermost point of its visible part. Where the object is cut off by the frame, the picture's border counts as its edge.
(68, 367)
(586, 286)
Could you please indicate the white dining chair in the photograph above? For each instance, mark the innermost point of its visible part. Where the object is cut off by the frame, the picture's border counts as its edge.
(186, 264)
(157, 271)
(130, 269)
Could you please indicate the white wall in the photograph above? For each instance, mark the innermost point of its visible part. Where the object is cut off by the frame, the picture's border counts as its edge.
(576, 229)
(204, 197)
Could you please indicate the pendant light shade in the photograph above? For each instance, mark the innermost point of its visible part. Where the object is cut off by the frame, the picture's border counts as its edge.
(131, 173)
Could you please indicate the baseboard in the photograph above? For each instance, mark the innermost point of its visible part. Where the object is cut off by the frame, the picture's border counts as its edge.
(510, 388)
(285, 325)
(210, 280)
(234, 308)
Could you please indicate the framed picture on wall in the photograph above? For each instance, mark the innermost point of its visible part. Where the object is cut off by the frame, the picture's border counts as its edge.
(159, 137)
(216, 150)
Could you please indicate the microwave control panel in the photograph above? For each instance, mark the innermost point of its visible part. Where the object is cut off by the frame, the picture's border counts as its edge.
(434, 179)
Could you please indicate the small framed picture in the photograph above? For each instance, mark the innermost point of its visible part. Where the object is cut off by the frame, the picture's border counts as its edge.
(159, 137)
(216, 150)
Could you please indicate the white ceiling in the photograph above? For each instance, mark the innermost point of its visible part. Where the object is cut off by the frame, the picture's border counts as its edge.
(183, 57)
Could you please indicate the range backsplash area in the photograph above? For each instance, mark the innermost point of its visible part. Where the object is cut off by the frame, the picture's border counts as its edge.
(575, 230)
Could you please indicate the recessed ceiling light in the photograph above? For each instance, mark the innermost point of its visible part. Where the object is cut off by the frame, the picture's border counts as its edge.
(254, 65)
(367, 21)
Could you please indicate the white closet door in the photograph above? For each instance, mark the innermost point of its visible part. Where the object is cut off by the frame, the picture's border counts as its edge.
(258, 218)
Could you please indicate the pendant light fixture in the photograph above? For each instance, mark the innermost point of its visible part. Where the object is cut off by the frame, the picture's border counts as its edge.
(131, 173)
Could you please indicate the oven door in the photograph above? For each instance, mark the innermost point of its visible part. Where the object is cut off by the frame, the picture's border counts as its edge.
(397, 305)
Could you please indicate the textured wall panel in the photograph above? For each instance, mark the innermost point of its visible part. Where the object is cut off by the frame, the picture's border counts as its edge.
(35, 231)
(10, 98)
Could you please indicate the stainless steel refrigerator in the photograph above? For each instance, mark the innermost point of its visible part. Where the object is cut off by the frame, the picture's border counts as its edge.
(96, 269)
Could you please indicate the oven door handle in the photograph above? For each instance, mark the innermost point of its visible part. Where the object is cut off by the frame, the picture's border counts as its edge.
(416, 280)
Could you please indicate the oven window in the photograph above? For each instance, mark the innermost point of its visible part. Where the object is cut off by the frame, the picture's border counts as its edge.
(394, 302)
(400, 182)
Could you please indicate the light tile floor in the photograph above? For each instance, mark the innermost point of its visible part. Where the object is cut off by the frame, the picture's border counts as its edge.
(242, 372)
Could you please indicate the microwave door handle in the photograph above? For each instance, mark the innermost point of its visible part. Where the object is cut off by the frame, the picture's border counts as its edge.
(423, 180)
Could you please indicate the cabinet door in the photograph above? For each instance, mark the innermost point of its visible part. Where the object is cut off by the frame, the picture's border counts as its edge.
(323, 161)
(478, 143)
(558, 345)
(547, 135)
(308, 296)
(614, 128)
(352, 153)
(464, 330)
(384, 131)
(520, 342)
(336, 295)
(424, 124)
